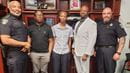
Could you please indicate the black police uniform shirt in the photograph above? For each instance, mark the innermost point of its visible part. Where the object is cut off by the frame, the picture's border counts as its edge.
(108, 33)
(40, 35)
(13, 26)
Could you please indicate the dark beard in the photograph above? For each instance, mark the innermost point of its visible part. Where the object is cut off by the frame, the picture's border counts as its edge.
(84, 16)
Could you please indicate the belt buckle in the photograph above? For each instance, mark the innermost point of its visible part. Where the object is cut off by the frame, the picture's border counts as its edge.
(109, 46)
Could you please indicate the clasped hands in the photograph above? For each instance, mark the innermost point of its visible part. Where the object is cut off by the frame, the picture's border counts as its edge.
(26, 47)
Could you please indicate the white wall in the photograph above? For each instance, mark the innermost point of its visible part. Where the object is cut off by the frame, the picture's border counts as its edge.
(124, 19)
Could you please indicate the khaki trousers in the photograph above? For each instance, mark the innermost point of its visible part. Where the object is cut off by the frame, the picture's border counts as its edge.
(40, 61)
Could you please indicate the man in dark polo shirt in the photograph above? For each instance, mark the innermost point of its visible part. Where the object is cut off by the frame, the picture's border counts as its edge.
(42, 42)
(110, 42)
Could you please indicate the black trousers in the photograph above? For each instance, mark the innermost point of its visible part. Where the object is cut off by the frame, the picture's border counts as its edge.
(17, 62)
(104, 59)
(60, 62)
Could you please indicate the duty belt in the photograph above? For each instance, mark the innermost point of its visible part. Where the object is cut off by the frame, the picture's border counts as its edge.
(105, 46)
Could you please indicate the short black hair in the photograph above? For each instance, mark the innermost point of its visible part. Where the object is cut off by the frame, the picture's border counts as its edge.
(62, 11)
(37, 11)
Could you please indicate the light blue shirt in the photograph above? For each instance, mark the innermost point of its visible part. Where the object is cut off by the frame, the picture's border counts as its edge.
(61, 38)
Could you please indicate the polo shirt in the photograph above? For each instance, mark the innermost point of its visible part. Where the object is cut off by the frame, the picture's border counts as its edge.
(40, 35)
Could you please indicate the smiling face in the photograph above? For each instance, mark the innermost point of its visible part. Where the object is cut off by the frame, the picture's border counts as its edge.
(107, 14)
(39, 16)
(15, 8)
(84, 11)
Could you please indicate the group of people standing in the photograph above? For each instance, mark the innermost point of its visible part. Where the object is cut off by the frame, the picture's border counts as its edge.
(105, 39)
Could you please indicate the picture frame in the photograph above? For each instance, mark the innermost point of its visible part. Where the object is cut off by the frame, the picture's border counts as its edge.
(99, 5)
(0, 1)
(64, 5)
(75, 4)
(30, 4)
(39, 4)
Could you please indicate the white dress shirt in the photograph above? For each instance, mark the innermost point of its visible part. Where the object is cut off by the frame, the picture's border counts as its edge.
(61, 38)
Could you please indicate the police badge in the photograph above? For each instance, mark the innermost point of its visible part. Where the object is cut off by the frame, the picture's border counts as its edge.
(111, 24)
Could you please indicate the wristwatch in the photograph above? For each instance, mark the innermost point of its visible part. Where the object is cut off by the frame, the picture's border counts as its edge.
(119, 53)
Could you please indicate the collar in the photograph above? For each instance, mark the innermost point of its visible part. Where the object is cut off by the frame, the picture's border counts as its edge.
(107, 23)
(59, 27)
(15, 17)
(85, 17)
(37, 24)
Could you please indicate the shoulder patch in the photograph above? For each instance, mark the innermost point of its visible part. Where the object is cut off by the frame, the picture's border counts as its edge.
(4, 21)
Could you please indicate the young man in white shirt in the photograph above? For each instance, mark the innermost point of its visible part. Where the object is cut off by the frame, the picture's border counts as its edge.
(62, 33)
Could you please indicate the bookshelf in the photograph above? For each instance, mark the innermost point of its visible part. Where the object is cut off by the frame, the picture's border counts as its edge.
(95, 8)
(52, 7)
(51, 13)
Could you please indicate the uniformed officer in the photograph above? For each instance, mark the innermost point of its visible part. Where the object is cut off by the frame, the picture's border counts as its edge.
(110, 42)
(63, 34)
(14, 36)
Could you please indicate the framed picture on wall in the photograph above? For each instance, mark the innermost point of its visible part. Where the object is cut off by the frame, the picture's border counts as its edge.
(75, 4)
(0, 1)
(30, 4)
(99, 5)
(39, 4)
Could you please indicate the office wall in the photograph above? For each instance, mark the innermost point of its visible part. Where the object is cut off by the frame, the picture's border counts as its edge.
(125, 20)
